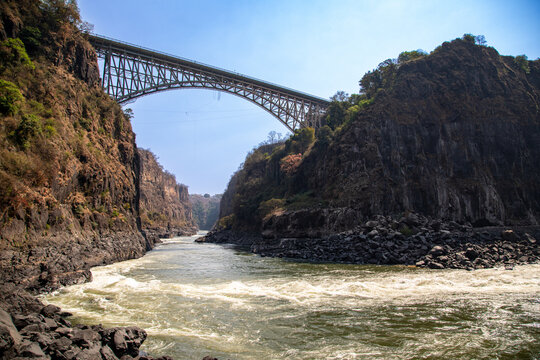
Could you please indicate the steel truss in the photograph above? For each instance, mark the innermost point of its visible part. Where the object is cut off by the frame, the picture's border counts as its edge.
(130, 72)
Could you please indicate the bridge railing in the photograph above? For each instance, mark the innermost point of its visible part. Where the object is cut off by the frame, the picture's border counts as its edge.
(204, 66)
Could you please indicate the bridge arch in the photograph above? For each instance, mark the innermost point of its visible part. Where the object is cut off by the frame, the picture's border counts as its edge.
(130, 72)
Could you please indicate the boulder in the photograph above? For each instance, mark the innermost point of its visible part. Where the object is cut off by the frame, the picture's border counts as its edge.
(9, 336)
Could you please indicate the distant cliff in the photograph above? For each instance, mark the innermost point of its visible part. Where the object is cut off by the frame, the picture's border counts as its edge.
(164, 205)
(205, 209)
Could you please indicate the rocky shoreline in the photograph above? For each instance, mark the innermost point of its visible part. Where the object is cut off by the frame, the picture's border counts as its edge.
(409, 240)
(31, 330)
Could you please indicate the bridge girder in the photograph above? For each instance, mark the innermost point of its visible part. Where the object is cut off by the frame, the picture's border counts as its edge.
(130, 72)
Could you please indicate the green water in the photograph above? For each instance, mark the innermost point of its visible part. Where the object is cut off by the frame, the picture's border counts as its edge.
(202, 299)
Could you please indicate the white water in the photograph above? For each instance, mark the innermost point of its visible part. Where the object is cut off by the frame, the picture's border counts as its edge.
(202, 299)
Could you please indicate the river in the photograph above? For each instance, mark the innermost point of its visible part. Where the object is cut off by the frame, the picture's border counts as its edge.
(204, 299)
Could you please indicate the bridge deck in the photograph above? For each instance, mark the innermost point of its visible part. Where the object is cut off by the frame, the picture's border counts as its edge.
(104, 42)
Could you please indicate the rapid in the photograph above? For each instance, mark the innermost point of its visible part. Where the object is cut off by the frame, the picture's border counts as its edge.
(204, 299)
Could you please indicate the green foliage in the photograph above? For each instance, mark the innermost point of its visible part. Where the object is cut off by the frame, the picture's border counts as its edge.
(340, 96)
(78, 210)
(468, 38)
(59, 12)
(342, 112)
(474, 39)
(10, 98)
(304, 200)
(269, 206)
(31, 37)
(13, 52)
(300, 141)
(226, 222)
(115, 213)
(522, 63)
(29, 127)
(380, 78)
(324, 136)
(335, 114)
(411, 55)
(49, 128)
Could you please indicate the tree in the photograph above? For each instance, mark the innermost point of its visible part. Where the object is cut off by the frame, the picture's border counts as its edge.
(340, 96)
(274, 137)
(410, 55)
(10, 98)
(480, 40)
(522, 62)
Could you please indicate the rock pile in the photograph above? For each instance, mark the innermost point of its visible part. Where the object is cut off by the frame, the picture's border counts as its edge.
(47, 334)
(409, 240)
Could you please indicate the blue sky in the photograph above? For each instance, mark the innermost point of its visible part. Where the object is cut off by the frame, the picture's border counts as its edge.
(315, 46)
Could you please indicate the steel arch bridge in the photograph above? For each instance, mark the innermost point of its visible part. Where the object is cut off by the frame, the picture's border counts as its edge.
(130, 72)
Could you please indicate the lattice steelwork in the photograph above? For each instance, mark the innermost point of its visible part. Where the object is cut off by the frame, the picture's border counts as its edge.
(130, 72)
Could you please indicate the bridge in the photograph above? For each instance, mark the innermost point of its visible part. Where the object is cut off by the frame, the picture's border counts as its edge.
(130, 71)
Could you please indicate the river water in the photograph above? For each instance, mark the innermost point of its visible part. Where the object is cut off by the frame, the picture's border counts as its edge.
(203, 299)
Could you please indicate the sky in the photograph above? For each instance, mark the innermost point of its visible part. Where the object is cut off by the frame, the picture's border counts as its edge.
(314, 46)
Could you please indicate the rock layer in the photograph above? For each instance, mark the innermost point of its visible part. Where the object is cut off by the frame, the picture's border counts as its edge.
(164, 205)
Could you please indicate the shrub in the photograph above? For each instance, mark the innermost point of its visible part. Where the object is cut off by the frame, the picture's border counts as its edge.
(28, 128)
(31, 37)
(522, 62)
(411, 55)
(10, 98)
(226, 222)
(300, 141)
(49, 128)
(468, 38)
(12, 52)
(269, 206)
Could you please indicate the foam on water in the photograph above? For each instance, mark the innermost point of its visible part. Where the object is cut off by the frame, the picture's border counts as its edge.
(200, 299)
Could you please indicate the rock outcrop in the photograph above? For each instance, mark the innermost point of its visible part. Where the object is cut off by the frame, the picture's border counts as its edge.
(164, 205)
(44, 332)
(453, 136)
(384, 240)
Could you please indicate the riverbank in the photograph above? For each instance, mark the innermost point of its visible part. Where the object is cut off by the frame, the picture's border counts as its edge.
(30, 329)
(411, 240)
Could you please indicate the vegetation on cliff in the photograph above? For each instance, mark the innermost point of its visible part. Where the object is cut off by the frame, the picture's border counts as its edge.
(451, 135)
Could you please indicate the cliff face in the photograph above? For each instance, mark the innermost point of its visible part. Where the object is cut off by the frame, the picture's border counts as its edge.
(453, 135)
(69, 165)
(205, 209)
(164, 205)
(456, 136)
(410, 172)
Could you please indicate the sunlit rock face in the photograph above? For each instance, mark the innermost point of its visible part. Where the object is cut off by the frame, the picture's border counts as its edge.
(164, 205)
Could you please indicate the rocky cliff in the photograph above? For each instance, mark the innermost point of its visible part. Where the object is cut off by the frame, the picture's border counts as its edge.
(69, 183)
(164, 205)
(455, 135)
(69, 167)
(452, 136)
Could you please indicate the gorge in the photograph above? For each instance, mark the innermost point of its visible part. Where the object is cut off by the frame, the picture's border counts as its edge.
(368, 227)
